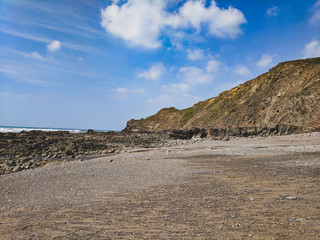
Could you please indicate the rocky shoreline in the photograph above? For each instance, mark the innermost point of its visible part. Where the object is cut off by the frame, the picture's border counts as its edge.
(28, 150)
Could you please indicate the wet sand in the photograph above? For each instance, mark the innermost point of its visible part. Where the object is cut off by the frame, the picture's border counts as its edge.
(260, 188)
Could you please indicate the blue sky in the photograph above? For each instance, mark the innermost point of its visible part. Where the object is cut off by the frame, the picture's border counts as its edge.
(96, 64)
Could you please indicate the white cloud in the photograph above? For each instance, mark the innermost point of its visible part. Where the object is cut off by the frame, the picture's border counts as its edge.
(137, 22)
(80, 59)
(266, 60)
(221, 23)
(315, 11)
(242, 70)
(34, 55)
(141, 22)
(315, 19)
(273, 11)
(121, 90)
(195, 75)
(176, 88)
(312, 49)
(196, 54)
(213, 66)
(129, 90)
(153, 73)
(54, 46)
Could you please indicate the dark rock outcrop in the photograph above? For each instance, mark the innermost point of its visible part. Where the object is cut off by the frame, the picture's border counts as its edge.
(223, 134)
(25, 150)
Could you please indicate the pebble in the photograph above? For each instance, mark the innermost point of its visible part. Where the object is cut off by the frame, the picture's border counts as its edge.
(291, 198)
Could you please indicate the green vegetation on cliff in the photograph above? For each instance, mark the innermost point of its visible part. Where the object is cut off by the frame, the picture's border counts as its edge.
(288, 94)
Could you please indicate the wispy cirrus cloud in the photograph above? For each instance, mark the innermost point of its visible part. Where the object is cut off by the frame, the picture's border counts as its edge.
(176, 87)
(125, 93)
(25, 36)
(129, 90)
(35, 55)
(61, 27)
(20, 73)
(32, 37)
(14, 64)
(49, 7)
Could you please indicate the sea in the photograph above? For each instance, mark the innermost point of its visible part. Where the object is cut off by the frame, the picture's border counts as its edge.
(16, 129)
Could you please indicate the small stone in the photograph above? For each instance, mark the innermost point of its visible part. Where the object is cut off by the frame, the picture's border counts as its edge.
(111, 160)
(147, 158)
(250, 235)
(291, 198)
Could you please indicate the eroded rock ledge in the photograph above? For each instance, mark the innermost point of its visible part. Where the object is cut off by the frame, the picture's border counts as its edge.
(26, 150)
(225, 133)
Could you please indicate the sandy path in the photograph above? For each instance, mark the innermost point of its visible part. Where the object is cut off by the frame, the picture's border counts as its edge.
(263, 188)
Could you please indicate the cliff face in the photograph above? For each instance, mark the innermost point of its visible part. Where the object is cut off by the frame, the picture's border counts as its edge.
(289, 94)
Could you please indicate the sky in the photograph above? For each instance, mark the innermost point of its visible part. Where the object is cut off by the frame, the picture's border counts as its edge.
(97, 64)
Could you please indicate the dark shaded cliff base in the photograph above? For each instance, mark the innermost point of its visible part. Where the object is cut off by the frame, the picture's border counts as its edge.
(260, 188)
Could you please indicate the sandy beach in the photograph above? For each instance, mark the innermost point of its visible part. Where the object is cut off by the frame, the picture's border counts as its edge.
(245, 188)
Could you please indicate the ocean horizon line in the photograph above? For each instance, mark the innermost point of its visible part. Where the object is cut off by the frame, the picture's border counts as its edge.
(17, 129)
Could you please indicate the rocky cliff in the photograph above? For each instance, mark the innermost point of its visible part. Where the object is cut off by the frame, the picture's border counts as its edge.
(285, 99)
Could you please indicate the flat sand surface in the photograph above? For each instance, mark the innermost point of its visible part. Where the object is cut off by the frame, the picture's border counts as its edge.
(259, 188)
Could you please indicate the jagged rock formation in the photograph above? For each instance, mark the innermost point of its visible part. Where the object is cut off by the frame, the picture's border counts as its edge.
(284, 100)
(26, 150)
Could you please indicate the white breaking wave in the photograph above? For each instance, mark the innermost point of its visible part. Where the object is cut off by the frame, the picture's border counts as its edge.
(20, 129)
